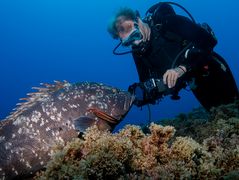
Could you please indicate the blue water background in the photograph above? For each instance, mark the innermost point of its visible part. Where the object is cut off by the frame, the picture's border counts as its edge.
(47, 40)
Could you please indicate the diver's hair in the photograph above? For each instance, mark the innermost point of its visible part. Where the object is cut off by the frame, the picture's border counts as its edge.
(126, 14)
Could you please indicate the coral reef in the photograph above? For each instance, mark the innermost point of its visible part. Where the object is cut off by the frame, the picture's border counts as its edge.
(160, 154)
(200, 124)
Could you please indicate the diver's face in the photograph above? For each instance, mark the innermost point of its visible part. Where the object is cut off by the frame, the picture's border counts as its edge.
(124, 27)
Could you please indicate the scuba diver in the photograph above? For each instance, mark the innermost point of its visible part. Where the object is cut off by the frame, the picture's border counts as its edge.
(171, 52)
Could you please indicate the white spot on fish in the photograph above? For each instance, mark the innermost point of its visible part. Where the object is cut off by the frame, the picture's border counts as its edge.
(51, 153)
(64, 109)
(2, 138)
(14, 170)
(59, 115)
(19, 131)
(36, 115)
(8, 145)
(28, 165)
(43, 108)
(52, 104)
(67, 99)
(27, 131)
(42, 122)
(47, 113)
(54, 110)
(34, 152)
(92, 97)
(101, 105)
(41, 162)
(72, 106)
(59, 139)
(52, 118)
(48, 129)
(57, 134)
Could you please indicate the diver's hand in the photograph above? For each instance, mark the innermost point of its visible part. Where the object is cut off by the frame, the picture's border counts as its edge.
(170, 76)
(144, 29)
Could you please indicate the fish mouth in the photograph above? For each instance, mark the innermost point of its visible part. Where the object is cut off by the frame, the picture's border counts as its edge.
(128, 103)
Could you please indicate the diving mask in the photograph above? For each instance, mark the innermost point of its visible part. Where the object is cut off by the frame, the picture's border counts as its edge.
(133, 38)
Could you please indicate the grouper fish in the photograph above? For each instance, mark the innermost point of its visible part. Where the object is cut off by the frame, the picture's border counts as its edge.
(55, 114)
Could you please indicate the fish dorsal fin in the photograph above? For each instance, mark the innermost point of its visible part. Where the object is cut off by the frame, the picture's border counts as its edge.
(42, 93)
(104, 116)
(83, 122)
(3, 123)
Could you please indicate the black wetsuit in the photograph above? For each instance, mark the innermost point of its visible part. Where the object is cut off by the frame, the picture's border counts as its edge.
(170, 34)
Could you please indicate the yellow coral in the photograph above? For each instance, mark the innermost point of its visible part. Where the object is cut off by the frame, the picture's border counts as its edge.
(161, 134)
(153, 148)
(132, 132)
(183, 148)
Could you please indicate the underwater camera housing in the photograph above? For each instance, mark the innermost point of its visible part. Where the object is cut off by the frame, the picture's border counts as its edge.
(148, 92)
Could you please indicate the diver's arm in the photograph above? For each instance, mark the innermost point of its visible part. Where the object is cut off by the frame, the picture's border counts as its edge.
(190, 31)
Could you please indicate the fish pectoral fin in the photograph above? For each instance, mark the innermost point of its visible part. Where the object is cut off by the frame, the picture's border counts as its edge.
(104, 116)
(83, 122)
